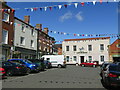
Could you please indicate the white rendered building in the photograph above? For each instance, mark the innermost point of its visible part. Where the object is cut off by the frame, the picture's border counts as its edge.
(86, 49)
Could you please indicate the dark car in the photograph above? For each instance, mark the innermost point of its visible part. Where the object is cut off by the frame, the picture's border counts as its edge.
(31, 66)
(47, 64)
(2, 73)
(14, 68)
(103, 67)
(111, 76)
(39, 62)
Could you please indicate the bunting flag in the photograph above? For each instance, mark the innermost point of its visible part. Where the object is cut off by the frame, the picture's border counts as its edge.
(94, 2)
(82, 3)
(54, 6)
(100, 1)
(76, 5)
(60, 6)
(45, 8)
(75, 34)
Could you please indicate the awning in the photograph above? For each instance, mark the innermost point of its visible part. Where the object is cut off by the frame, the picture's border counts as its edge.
(115, 55)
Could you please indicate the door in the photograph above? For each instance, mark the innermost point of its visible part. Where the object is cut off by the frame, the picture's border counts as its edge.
(82, 59)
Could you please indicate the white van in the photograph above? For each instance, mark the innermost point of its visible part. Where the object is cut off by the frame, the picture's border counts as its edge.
(56, 60)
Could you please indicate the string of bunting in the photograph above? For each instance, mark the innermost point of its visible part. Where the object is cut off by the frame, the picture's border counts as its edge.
(55, 6)
(76, 34)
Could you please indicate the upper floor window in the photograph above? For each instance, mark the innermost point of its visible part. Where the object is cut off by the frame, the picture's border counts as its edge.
(32, 32)
(23, 27)
(74, 58)
(22, 40)
(6, 17)
(118, 45)
(5, 36)
(101, 46)
(32, 43)
(89, 47)
(67, 48)
(102, 58)
(74, 48)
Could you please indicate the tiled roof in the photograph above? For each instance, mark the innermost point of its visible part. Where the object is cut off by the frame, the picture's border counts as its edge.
(87, 39)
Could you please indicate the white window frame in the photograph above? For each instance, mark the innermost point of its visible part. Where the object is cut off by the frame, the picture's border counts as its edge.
(23, 27)
(75, 48)
(102, 47)
(6, 39)
(32, 43)
(32, 32)
(68, 58)
(90, 59)
(101, 58)
(8, 17)
(88, 48)
(23, 42)
(68, 48)
(74, 58)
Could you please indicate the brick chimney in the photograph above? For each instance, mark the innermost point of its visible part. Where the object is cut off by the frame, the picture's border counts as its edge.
(27, 19)
(39, 26)
(45, 30)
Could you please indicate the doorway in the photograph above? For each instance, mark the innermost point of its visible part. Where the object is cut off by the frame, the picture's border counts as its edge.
(82, 59)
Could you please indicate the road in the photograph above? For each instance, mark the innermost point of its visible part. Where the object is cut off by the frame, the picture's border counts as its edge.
(70, 77)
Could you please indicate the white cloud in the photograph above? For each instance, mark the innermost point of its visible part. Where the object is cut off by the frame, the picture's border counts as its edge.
(79, 16)
(66, 16)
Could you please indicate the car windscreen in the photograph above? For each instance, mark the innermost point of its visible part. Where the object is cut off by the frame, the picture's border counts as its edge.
(27, 61)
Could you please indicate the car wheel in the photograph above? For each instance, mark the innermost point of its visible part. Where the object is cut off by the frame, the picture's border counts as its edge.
(94, 65)
(59, 66)
(28, 71)
(83, 65)
(9, 73)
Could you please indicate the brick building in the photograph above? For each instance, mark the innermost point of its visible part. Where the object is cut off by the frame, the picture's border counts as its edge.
(114, 51)
(58, 49)
(7, 31)
(45, 42)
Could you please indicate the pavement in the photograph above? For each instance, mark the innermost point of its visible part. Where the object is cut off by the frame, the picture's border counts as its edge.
(69, 77)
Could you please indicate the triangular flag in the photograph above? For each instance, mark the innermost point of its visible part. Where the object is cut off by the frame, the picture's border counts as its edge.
(32, 9)
(50, 8)
(27, 9)
(100, 1)
(2, 10)
(13, 10)
(76, 4)
(82, 3)
(40, 9)
(94, 2)
(45, 8)
(87, 3)
(60, 6)
(65, 6)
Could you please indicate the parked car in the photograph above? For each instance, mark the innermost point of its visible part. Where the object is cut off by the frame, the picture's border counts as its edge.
(111, 76)
(56, 60)
(37, 62)
(31, 66)
(47, 64)
(103, 67)
(14, 68)
(89, 63)
(2, 73)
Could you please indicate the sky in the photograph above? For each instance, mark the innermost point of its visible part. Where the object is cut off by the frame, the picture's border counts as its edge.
(87, 19)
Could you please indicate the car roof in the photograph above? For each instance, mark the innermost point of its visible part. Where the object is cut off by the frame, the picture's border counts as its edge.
(15, 59)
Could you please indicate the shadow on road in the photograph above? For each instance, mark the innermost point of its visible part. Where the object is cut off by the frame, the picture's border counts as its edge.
(109, 88)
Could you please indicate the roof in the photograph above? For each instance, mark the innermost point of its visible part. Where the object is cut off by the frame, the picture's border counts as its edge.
(87, 39)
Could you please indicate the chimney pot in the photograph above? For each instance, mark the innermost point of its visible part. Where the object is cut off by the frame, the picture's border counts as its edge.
(27, 19)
